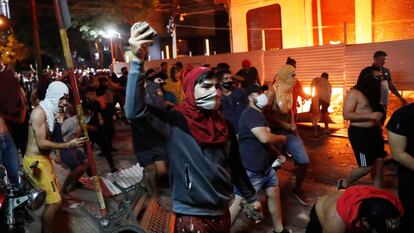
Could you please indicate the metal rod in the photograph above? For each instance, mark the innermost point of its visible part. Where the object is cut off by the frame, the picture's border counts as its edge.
(111, 40)
(78, 106)
(36, 39)
(320, 33)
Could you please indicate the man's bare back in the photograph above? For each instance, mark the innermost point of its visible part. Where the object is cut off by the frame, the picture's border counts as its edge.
(358, 110)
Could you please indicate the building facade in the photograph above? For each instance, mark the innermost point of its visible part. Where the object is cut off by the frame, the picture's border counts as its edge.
(275, 24)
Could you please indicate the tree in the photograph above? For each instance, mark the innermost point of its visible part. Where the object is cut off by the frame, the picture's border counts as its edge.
(93, 17)
(12, 51)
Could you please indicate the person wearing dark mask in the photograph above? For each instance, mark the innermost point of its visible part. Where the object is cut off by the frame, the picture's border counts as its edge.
(362, 107)
(169, 97)
(96, 125)
(380, 58)
(361, 209)
(148, 143)
(248, 73)
(201, 147)
(233, 101)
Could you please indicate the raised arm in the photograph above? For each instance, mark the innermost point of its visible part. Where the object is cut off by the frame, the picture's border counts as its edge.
(135, 106)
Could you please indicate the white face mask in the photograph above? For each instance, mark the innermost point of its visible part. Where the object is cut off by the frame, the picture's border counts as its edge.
(208, 101)
(261, 101)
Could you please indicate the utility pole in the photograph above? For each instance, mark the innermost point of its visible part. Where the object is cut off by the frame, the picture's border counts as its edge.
(78, 106)
(36, 38)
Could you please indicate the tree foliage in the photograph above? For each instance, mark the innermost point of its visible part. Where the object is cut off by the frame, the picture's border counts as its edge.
(93, 17)
(12, 51)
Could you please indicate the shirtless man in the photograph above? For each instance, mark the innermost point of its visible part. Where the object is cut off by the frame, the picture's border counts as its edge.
(362, 107)
(39, 145)
(363, 209)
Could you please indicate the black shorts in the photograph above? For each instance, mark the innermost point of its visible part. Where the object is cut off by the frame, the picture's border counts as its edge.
(148, 157)
(323, 106)
(367, 143)
(314, 225)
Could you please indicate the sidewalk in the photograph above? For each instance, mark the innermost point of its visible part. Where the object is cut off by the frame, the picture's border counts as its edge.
(331, 159)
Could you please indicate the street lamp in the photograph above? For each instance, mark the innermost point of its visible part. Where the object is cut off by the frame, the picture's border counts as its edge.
(5, 24)
(110, 34)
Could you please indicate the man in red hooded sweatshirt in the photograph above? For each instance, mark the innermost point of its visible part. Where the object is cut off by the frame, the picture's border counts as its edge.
(202, 148)
(360, 209)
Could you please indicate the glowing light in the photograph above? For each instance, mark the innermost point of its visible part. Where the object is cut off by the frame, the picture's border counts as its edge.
(207, 48)
(336, 100)
(333, 42)
(110, 33)
(167, 51)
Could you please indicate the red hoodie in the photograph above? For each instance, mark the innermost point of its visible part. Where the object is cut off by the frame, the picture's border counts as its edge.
(348, 204)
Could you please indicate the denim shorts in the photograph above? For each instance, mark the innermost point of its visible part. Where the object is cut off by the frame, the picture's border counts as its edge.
(261, 181)
(9, 157)
(295, 147)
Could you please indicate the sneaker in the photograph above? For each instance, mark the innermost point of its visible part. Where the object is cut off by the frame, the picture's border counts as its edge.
(279, 162)
(301, 198)
(340, 185)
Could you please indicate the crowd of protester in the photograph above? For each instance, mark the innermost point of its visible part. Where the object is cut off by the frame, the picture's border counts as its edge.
(219, 135)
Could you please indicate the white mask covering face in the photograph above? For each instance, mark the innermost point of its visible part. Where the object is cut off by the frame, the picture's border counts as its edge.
(261, 101)
(50, 104)
(208, 101)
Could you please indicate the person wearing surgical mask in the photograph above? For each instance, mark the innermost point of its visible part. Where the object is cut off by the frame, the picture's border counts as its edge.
(203, 157)
(233, 100)
(255, 144)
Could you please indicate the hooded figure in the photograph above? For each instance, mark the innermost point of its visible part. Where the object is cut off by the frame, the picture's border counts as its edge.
(50, 104)
(370, 87)
(208, 127)
(348, 205)
(204, 160)
(284, 82)
(152, 96)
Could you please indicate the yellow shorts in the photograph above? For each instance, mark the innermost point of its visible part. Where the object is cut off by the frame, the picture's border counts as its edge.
(45, 179)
